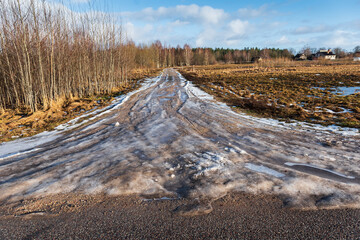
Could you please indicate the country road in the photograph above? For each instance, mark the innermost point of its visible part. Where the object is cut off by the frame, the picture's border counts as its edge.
(169, 139)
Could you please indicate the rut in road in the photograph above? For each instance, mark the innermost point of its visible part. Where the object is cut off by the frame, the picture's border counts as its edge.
(171, 139)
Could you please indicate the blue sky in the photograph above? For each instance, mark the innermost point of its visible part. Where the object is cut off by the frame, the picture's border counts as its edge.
(239, 24)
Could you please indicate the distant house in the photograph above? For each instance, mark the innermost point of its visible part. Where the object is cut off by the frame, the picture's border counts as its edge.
(300, 57)
(357, 56)
(325, 54)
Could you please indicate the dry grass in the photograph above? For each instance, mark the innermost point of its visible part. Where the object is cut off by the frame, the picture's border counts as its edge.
(285, 89)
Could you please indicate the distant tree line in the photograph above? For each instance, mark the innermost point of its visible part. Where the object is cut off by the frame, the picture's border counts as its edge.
(158, 55)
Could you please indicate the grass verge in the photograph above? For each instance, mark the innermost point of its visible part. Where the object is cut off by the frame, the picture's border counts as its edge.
(319, 92)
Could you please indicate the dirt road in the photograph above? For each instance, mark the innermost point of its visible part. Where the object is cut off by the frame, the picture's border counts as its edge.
(172, 140)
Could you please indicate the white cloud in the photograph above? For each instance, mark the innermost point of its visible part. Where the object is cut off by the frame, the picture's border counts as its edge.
(207, 37)
(229, 34)
(202, 15)
(178, 23)
(139, 33)
(341, 38)
(211, 15)
(239, 27)
(283, 40)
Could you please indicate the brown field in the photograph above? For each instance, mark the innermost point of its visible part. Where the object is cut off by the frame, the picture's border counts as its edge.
(286, 90)
(23, 123)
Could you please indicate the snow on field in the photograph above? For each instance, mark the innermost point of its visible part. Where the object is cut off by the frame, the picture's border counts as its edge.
(170, 139)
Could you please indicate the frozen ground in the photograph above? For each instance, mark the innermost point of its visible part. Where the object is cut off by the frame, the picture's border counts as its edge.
(169, 139)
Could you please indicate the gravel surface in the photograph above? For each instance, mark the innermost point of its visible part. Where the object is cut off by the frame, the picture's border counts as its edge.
(240, 216)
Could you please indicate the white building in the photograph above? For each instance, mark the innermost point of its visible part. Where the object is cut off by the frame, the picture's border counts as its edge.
(357, 56)
(325, 54)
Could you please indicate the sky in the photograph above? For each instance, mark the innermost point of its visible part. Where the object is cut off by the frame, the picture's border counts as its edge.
(237, 23)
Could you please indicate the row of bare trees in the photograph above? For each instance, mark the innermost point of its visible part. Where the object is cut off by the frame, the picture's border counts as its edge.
(49, 53)
(158, 55)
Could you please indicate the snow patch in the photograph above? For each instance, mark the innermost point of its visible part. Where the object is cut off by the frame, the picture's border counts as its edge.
(263, 169)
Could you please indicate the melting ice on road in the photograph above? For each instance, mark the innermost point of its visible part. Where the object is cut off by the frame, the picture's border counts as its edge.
(173, 139)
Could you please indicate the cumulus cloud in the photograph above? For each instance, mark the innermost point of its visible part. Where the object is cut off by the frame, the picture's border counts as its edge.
(347, 39)
(202, 15)
(138, 33)
(283, 40)
(230, 33)
(205, 14)
(204, 22)
(239, 27)
(238, 31)
(207, 36)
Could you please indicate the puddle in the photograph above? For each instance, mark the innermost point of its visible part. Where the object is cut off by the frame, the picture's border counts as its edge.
(318, 168)
(342, 91)
(343, 110)
(159, 199)
(312, 96)
(345, 91)
(28, 215)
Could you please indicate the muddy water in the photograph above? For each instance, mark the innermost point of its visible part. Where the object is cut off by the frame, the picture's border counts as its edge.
(172, 140)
